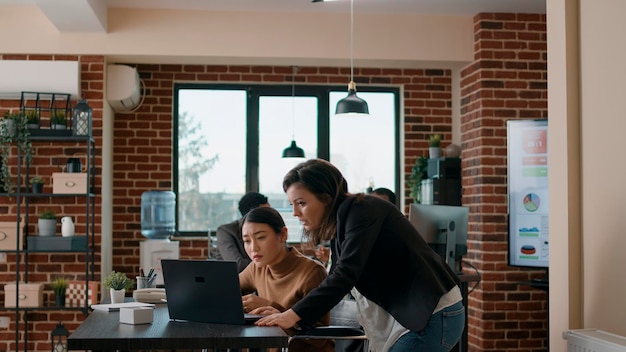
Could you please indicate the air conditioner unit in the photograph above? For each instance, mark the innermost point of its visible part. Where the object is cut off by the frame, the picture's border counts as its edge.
(43, 76)
(123, 87)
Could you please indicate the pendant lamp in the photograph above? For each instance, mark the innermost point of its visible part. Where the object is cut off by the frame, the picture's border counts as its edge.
(293, 151)
(352, 105)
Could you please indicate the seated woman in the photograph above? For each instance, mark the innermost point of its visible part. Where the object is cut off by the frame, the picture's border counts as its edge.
(279, 274)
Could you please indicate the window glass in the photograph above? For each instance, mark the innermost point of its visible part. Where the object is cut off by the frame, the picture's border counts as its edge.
(277, 117)
(211, 157)
(363, 147)
(227, 143)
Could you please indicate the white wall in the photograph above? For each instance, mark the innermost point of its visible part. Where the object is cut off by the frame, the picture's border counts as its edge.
(586, 55)
(208, 37)
(603, 124)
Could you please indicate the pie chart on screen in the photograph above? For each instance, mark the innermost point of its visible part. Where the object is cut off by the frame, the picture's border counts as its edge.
(531, 202)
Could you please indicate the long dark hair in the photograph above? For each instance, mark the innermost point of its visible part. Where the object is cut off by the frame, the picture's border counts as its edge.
(326, 182)
(265, 215)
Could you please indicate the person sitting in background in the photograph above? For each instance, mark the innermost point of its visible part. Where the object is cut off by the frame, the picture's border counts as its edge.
(280, 274)
(384, 193)
(229, 243)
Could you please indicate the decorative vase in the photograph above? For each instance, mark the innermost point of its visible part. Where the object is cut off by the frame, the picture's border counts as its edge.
(117, 296)
(47, 227)
(59, 300)
(434, 152)
(67, 226)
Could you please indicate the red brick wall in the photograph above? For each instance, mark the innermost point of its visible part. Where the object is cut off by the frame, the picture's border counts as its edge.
(43, 267)
(507, 80)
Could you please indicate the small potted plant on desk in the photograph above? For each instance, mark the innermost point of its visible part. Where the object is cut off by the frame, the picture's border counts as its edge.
(36, 184)
(118, 283)
(59, 285)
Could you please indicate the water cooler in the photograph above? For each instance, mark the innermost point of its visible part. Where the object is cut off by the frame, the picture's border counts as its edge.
(158, 223)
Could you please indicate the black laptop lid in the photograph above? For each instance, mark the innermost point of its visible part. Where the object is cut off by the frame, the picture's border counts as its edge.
(203, 291)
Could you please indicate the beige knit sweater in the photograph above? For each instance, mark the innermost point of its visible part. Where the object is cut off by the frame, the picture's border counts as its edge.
(286, 283)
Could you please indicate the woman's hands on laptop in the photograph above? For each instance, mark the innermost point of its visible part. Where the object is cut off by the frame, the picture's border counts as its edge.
(285, 320)
(252, 301)
(265, 310)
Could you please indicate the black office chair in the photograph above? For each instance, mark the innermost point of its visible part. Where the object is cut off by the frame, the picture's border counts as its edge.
(344, 328)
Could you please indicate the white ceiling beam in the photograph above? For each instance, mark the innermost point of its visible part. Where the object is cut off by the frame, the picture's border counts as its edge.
(76, 15)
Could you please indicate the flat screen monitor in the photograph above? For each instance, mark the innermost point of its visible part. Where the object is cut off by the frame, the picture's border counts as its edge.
(527, 175)
(444, 227)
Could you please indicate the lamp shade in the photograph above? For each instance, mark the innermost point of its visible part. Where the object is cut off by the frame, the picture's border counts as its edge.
(352, 104)
(293, 151)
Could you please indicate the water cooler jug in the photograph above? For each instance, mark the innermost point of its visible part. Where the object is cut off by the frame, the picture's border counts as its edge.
(158, 223)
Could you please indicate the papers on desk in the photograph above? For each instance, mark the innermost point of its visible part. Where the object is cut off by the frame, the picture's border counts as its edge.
(114, 307)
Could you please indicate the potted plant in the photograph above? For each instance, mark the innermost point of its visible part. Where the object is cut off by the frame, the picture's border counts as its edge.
(59, 285)
(58, 120)
(117, 283)
(47, 223)
(434, 148)
(7, 124)
(13, 130)
(419, 172)
(36, 184)
(32, 119)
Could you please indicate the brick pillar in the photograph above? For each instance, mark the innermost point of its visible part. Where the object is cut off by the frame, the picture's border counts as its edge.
(507, 80)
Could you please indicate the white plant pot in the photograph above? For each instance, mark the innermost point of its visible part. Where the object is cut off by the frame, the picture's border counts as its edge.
(47, 227)
(9, 127)
(434, 152)
(117, 296)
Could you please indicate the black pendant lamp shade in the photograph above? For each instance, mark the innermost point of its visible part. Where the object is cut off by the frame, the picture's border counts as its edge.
(293, 151)
(352, 104)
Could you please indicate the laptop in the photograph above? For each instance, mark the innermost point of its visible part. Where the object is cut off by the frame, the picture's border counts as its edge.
(204, 291)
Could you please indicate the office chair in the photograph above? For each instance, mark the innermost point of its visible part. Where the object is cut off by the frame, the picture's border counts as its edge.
(344, 328)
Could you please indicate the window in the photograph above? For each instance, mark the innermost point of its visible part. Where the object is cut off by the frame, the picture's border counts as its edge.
(229, 139)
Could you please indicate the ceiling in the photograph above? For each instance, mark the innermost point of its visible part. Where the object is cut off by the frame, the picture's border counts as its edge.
(443, 7)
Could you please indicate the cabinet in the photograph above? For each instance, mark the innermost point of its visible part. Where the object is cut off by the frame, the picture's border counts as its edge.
(38, 262)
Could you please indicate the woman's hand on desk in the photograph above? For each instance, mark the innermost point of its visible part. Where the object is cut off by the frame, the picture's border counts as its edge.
(252, 301)
(285, 320)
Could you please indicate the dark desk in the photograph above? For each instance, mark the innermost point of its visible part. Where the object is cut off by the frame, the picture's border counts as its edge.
(103, 331)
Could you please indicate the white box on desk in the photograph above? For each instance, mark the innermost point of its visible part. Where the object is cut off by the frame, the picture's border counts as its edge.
(31, 295)
(136, 315)
(69, 183)
(8, 231)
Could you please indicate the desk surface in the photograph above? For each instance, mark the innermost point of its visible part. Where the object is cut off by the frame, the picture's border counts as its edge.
(103, 331)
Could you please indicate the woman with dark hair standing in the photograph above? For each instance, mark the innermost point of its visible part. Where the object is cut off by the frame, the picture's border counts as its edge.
(410, 295)
(279, 274)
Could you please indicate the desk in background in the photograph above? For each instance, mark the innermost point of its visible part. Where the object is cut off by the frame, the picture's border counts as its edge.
(103, 331)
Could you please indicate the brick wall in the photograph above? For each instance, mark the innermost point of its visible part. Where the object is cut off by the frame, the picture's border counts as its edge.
(43, 267)
(507, 80)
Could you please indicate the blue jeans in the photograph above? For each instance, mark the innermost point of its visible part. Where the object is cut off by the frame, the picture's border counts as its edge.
(443, 331)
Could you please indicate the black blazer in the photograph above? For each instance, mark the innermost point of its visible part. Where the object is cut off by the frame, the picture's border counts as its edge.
(378, 251)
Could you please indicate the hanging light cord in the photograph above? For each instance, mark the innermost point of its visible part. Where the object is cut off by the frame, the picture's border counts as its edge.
(351, 40)
(293, 98)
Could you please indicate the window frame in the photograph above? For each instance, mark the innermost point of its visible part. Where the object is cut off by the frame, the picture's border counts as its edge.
(254, 92)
